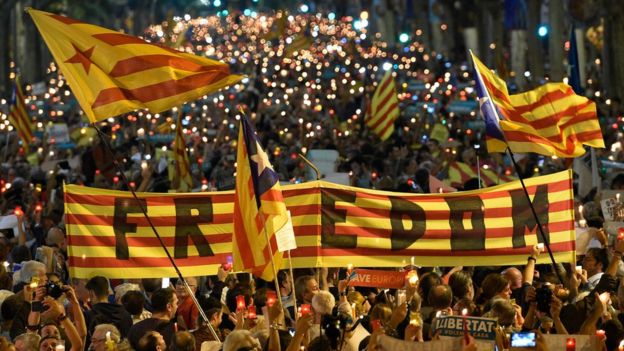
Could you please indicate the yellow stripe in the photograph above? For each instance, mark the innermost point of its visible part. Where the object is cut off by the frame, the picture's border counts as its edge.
(137, 273)
(145, 232)
(136, 252)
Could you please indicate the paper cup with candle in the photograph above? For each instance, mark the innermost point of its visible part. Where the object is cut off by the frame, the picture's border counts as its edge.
(271, 298)
(305, 309)
(240, 303)
(251, 312)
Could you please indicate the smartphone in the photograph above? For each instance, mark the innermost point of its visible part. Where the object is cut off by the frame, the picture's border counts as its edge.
(166, 282)
(523, 339)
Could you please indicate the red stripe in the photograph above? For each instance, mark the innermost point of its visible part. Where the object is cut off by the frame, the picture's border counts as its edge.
(64, 19)
(145, 62)
(140, 221)
(134, 262)
(566, 148)
(160, 200)
(162, 90)
(381, 104)
(116, 39)
(442, 234)
(384, 118)
(502, 212)
(382, 252)
(87, 240)
(553, 119)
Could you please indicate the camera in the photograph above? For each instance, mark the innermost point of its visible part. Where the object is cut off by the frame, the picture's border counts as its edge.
(523, 339)
(543, 297)
(54, 290)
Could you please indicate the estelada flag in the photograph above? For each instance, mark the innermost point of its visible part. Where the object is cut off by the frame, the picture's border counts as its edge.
(111, 73)
(18, 115)
(548, 120)
(258, 206)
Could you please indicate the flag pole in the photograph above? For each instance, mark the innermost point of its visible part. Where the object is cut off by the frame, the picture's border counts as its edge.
(266, 236)
(480, 83)
(537, 221)
(292, 284)
(314, 168)
(149, 220)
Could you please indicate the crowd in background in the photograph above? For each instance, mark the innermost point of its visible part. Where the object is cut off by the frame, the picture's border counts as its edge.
(314, 98)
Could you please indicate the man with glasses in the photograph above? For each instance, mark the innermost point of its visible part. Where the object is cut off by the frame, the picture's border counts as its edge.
(595, 262)
(187, 308)
(99, 338)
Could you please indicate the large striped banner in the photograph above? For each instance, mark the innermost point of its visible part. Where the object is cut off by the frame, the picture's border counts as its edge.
(334, 225)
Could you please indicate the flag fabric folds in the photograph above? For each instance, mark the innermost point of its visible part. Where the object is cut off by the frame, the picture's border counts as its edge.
(460, 172)
(258, 206)
(182, 165)
(549, 120)
(18, 115)
(300, 42)
(111, 73)
(383, 109)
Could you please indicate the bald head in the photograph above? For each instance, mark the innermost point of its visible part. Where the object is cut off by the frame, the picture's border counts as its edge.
(56, 238)
(514, 277)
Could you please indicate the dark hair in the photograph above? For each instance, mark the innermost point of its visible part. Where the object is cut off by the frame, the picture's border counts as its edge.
(99, 286)
(239, 289)
(440, 296)
(428, 281)
(460, 282)
(151, 284)
(281, 277)
(148, 342)
(600, 255)
(301, 286)
(183, 341)
(493, 284)
(133, 302)
(160, 299)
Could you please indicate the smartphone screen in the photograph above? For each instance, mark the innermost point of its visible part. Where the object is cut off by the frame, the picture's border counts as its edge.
(523, 339)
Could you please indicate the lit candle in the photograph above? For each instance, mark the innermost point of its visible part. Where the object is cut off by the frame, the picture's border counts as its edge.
(600, 334)
(465, 322)
(412, 278)
(570, 344)
(251, 312)
(349, 269)
(240, 303)
(620, 234)
(18, 211)
(582, 221)
(271, 298)
(412, 260)
(305, 309)
(621, 347)
(617, 198)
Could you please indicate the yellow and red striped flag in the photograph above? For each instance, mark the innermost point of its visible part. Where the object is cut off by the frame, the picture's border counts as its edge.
(182, 165)
(18, 115)
(300, 42)
(111, 73)
(279, 27)
(258, 206)
(460, 172)
(383, 109)
(549, 120)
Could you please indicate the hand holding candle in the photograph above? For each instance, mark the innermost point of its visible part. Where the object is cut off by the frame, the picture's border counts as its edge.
(305, 309)
(240, 303)
(570, 344)
(271, 298)
(251, 312)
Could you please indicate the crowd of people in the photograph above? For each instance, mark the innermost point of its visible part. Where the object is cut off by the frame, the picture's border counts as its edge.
(313, 98)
